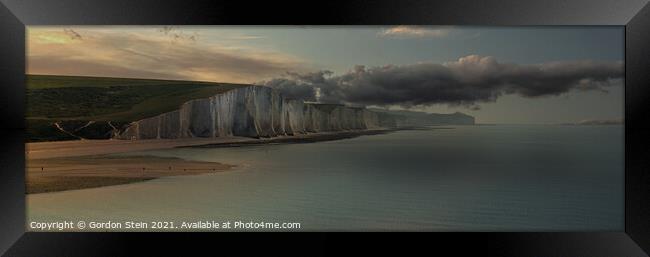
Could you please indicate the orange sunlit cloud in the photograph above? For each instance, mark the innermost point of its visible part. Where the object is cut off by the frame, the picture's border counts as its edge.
(148, 53)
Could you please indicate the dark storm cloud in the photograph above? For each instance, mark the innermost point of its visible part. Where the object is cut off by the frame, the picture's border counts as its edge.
(293, 89)
(469, 81)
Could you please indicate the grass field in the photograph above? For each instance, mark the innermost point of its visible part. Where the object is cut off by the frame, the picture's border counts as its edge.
(77, 100)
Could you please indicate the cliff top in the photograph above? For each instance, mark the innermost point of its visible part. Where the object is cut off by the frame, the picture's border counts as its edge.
(78, 99)
(111, 99)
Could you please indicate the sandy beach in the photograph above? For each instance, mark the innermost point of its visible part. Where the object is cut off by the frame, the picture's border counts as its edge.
(67, 173)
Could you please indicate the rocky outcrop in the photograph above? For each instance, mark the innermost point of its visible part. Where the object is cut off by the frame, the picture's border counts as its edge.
(253, 111)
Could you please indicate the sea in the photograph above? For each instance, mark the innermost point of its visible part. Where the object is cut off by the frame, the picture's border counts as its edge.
(443, 178)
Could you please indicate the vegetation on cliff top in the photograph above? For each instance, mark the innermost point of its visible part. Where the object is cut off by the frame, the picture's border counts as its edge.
(106, 101)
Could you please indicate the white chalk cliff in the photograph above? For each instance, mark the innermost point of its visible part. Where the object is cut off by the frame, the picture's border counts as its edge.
(253, 111)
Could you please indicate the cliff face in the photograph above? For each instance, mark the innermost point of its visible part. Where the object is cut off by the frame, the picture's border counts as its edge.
(250, 112)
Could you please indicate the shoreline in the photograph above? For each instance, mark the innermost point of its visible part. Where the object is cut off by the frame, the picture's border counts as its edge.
(296, 139)
(72, 148)
(83, 164)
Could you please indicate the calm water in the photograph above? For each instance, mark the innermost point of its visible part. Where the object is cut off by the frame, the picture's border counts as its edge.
(466, 178)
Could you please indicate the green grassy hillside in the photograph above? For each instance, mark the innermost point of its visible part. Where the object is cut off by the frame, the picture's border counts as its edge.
(104, 101)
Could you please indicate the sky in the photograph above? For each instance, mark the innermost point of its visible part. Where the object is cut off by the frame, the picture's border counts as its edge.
(511, 75)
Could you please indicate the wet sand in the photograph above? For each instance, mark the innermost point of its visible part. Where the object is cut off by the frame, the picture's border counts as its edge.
(43, 150)
(297, 139)
(68, 173)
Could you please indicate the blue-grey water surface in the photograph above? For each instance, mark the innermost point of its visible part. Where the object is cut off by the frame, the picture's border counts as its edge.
(456, 178)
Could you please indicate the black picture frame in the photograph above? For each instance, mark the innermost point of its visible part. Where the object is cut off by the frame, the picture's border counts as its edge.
(633, 14)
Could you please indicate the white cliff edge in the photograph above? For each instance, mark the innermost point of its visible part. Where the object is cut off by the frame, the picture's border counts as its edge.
(253, 111)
